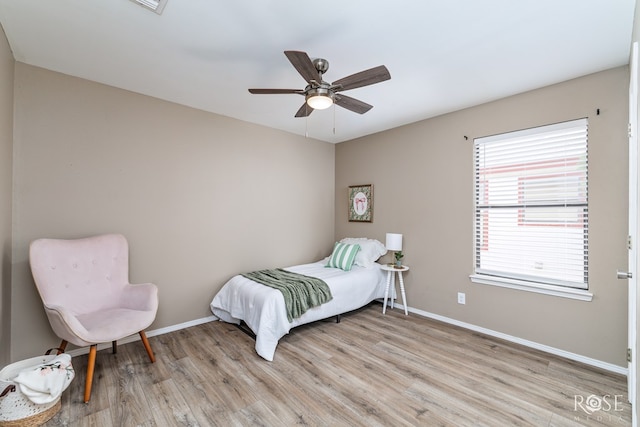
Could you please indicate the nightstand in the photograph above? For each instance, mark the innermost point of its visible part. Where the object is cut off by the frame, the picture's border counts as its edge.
(391, 269)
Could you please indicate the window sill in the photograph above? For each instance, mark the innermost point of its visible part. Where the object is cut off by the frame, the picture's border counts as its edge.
(558, 291)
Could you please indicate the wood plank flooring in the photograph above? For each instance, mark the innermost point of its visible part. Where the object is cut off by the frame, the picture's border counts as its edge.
(367, 370)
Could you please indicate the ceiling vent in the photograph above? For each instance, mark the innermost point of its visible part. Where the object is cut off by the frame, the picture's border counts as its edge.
(155, 5)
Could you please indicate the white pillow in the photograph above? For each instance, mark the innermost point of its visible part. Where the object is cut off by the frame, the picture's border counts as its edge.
(370, 250)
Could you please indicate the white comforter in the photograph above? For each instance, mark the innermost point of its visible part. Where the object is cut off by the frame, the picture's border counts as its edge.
(262, 308)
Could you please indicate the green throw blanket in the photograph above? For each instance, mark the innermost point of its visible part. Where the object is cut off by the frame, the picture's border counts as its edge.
(300, 292)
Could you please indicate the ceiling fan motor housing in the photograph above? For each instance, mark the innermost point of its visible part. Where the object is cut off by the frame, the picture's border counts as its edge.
(322, 90)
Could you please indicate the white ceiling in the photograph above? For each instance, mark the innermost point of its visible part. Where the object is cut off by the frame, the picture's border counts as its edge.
(443, 55)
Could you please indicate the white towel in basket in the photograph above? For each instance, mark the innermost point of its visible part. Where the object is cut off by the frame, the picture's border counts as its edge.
(45, 383)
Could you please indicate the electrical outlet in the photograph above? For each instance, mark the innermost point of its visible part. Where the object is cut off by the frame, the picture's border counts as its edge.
(461, 298)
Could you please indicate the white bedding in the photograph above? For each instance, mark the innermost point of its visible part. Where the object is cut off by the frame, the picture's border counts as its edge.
(262, 308)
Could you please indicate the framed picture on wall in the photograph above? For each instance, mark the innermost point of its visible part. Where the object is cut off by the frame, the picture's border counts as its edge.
(361, 203)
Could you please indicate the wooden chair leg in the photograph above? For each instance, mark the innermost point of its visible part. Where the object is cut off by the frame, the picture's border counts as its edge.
(114, 346)
(147, 347)
(90, 367)
(62, 347)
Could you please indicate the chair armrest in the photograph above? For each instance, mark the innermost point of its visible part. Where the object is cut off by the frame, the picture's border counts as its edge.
(65, 324)
(142, 296)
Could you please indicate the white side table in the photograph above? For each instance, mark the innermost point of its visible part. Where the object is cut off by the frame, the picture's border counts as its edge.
(390, 269)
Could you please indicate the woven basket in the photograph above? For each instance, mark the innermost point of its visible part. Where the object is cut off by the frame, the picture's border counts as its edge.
(16, 410)
(34, 420)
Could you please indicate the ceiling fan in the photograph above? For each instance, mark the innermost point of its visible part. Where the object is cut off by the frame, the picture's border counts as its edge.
(320, 94)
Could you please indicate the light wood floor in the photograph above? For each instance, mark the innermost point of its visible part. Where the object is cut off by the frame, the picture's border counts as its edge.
(368, 370)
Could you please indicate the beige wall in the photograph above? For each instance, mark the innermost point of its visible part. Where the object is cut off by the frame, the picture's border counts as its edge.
(423, 188)
(6, 181)
(200, 197)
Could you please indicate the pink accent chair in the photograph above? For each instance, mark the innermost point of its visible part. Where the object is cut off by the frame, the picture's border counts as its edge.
(85, 289)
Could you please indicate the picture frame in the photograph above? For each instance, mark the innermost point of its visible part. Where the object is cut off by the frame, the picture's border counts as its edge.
(361, 203)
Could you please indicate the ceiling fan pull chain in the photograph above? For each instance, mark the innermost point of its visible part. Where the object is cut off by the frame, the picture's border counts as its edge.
(334, 119)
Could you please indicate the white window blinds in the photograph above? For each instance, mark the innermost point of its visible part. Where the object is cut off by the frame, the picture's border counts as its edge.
(531, 205)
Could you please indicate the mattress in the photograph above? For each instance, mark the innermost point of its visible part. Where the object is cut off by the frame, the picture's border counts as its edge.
(263, 309)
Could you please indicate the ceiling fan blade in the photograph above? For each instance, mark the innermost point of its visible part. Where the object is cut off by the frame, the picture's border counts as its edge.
(304, 65)
(352, 104)
(363, 78)
(304, 111)
(275, 91)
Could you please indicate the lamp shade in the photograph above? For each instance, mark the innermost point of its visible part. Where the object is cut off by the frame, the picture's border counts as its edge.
(394, 242)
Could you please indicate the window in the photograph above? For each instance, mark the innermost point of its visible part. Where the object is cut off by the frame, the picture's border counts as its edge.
(531, 208)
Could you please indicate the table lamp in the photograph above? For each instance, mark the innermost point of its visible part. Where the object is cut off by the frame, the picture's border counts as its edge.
(394, 243)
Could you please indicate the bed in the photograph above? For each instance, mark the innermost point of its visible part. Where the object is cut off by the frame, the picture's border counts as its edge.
(262, 308)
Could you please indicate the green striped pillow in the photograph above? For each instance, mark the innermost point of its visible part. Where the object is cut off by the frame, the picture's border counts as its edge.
(343, 256)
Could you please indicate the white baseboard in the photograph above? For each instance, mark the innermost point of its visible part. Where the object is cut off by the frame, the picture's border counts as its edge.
(153, 333)
(552, 350)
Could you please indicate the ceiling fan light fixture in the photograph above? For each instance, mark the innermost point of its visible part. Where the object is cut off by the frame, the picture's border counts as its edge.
(319, 102)
(319, 99)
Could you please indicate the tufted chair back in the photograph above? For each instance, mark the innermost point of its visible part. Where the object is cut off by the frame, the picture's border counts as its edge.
(83, 275)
